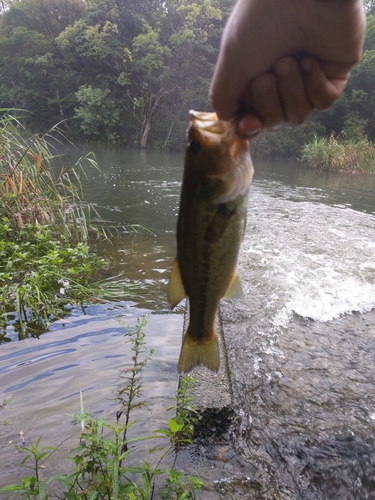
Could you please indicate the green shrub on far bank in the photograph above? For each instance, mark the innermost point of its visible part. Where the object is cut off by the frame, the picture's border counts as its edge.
(337, 153)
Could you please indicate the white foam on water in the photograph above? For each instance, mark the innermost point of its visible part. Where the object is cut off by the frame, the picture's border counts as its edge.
(307, 257)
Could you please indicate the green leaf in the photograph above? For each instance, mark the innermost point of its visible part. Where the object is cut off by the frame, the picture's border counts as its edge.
(12, 487)
(174, 426)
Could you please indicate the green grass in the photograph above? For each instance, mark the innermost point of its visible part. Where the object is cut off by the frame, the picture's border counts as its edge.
(338, 154)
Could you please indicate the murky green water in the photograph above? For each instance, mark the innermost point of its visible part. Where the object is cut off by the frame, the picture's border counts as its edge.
(301, 342)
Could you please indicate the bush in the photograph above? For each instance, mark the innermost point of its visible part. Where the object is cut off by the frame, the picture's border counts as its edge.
(45, 258)
(336, 153)
(40, 275)
(286, 143)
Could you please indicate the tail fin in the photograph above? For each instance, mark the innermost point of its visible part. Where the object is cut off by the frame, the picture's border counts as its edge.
(199, 352)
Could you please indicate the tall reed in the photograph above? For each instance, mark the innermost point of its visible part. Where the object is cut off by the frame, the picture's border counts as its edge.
(338, 153)
(31, 191)
(46, 265)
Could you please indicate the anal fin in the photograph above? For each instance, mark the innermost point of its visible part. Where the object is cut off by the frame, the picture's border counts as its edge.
(234, 290)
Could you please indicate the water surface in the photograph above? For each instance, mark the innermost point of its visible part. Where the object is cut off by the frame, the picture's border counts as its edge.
(301, 342)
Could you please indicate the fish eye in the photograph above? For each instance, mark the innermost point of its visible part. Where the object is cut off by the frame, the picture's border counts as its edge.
(194, 146)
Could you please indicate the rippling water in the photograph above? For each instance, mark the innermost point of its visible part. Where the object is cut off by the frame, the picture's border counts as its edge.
(300, 343)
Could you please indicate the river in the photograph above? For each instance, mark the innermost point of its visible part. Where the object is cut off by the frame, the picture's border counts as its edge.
(300, 343)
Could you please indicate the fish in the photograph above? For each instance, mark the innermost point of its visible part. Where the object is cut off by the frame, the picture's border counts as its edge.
(211, 222)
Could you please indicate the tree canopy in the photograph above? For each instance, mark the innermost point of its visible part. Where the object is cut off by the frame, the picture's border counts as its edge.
(123, 71)
(127, 71)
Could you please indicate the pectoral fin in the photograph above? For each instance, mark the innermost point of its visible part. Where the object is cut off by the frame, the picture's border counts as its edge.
(235, 289)
(175, 291)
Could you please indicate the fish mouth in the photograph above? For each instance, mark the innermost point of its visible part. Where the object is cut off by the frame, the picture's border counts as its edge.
(213, 132)
(221, 138)
(208, 122)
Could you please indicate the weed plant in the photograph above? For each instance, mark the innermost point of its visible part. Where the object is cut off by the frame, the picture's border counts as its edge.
(103, 467)
(187, 416)
(46, 265)
(31, 191)
(337, 153)
(41, 273)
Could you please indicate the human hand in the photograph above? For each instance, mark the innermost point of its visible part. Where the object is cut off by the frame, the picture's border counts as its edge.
(280, 60)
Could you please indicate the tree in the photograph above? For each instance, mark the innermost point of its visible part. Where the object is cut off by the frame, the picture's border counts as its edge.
(146, 77)
(193, 32)
(149, 61)
(30, 60)
(99, 115)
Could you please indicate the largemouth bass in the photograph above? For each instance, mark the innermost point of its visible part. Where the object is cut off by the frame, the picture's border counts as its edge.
(211, 223)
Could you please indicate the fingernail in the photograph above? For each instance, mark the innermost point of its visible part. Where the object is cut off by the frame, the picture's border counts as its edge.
(249, 126)
(245, 134)
(276, 128)
(252, 134)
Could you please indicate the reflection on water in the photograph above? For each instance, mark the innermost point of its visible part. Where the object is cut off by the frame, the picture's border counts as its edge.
(44, 378)
(356, 191)
(301, 342)
(137, 188)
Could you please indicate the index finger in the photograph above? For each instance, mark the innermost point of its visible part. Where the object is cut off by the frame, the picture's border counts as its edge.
(227, 87)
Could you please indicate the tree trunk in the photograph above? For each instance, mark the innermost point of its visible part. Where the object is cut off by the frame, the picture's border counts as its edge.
(146, 123)
(145, 129)
(60, 107)
(62, 111)
(168, 134)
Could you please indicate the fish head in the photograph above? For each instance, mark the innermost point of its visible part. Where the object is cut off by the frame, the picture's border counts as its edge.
(218, 157)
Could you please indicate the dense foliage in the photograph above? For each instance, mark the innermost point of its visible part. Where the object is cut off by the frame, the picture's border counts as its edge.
(41, 276)
(122, 71)
(127, 72)
(47, 265)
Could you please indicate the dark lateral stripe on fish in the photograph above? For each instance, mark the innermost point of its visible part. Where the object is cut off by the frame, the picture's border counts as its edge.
(205, 279)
